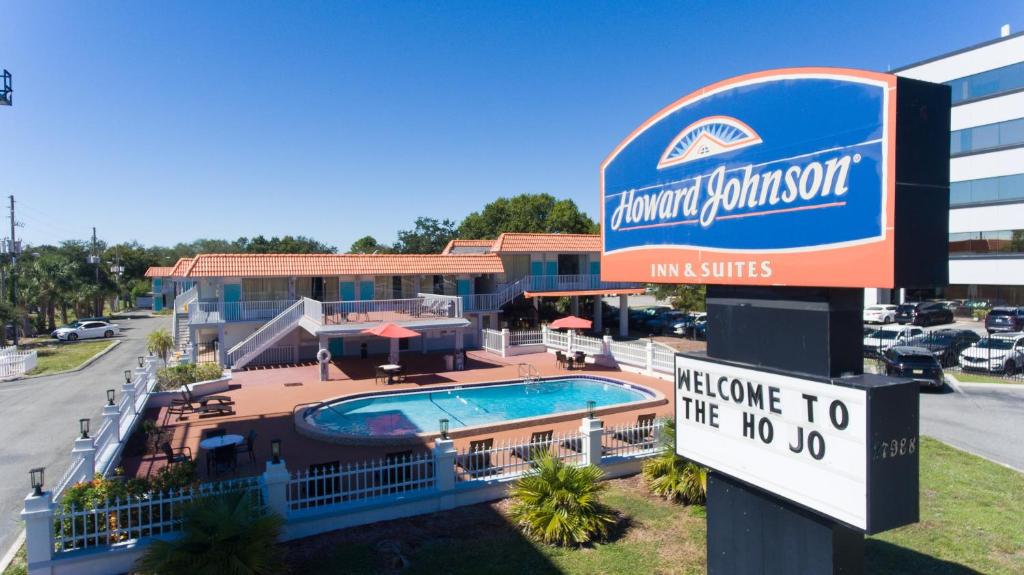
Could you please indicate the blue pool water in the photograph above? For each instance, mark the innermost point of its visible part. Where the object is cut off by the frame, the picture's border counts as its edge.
(410, 413)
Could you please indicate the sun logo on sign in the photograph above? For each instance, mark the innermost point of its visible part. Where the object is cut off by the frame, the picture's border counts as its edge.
(708, 137)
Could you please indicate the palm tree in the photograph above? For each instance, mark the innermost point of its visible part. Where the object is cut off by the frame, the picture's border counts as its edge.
(672, 477)
(220, 535)
(160, 342)
(560, 504)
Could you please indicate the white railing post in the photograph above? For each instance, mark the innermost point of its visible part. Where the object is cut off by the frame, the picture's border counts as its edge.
(275, 483)
(606, 345)
(112, 415)
(85, 450)
(38, 517)
(544, 331)
(570, 342)
(128, 390)
(444, 464)
(649, 357)
(506, 341)
(592, 430)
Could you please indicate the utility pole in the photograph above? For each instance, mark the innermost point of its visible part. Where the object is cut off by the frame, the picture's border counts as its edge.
(98, 301)
(14, 271)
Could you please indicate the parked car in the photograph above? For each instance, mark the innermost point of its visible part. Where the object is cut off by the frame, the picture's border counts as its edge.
(946, 344)
(1005, 319)
(638, 317)
(997, 353)
(923, 313)
(700, 328)
(884, 313)
(663, 322)
(686, 326)
(883, 338)
(86, 330)
(916, 363)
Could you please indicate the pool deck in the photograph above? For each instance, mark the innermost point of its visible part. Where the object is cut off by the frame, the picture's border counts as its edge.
(265, 400)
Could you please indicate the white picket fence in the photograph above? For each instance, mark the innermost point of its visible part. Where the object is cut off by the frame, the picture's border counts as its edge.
(14, 362)
(65, 538)
(526, 337)
(492, 341)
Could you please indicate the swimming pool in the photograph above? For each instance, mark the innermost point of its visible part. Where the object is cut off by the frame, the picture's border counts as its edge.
(409, 413)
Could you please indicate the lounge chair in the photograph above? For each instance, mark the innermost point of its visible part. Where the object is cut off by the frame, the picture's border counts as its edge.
(643, 433)
(540, 443)
(477, 461)
(179, 455)
(186, 394)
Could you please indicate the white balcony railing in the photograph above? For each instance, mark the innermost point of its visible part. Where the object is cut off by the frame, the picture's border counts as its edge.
(426, 306)
(575, 282)
(221, 312)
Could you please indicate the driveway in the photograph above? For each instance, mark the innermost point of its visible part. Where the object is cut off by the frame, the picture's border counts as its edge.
(40, 418)
(984, 420)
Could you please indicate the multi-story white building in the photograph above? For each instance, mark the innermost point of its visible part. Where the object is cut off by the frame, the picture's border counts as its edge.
(986, 215)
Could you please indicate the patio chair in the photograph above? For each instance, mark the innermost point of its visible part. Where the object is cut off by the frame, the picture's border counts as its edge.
(398, 374)
(560, 359)
(179, 407)
(176, 455)
(186, 394)
(379, 376)
(249, 447)
(540, 443)
(477, 462)
(643, 433)
(221, 459)
(580, 360)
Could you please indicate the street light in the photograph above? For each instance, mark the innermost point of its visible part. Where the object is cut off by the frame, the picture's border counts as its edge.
(36, 479)
(110, 397)
(83, 426)
(275, 451)
(127, 376)
(444, 428)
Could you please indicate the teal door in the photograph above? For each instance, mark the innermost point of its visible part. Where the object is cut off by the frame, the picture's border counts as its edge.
(366, 289)
(348, 291)
(537, 268)
(336, 346)
(158, 294)
(464, 288)
(232, 297)
(552, 272)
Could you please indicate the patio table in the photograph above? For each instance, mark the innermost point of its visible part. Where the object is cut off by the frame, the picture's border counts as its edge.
(390, 369)
(211, 443)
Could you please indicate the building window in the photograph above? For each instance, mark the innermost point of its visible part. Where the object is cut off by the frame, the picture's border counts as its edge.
(997, 242)
(985, 190)
(987, 137)
(988, 83)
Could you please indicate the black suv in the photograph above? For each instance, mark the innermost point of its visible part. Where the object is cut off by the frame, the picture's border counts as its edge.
(923, 313)
(1005, 319)
(946, 344)
(916, 363)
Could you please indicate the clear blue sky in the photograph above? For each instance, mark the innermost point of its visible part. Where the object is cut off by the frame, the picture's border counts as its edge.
(163, 122)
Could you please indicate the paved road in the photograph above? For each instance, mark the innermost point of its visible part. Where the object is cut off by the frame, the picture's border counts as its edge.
(983, 420)
(39, 418)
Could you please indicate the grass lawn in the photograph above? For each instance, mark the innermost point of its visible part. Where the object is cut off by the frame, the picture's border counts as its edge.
(985, 378)
(64, 356)
(971, 512)
(18, 565)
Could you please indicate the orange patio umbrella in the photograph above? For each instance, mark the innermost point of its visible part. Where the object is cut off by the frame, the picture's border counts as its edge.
(571, 322)
(394, 332)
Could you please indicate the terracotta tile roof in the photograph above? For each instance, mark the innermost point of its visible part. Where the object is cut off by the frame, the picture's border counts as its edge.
(467, 246)
(284, 265)
(180, 268)
(518, 243)
(159, 271)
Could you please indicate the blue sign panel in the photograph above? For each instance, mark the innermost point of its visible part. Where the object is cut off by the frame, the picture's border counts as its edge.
(756, 180)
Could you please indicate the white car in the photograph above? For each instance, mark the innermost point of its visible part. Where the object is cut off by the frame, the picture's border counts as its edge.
(880, 314)
(86, 330)
(997, 353)
(883, 338)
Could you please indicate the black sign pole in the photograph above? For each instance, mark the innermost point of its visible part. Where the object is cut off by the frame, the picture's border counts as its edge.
(811, 331)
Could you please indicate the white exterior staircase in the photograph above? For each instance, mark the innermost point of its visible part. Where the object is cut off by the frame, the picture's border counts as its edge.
(305, 312)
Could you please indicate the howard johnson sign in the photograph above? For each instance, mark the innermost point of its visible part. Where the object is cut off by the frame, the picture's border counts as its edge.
(785, 177)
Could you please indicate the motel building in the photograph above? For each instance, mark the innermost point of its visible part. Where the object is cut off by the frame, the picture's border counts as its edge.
(263, 309)
(986, 172)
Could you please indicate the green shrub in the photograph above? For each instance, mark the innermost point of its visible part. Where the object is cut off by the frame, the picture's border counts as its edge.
(980, 313)
(223, 534)
(560, 504)
(172, 378)
(672, 477)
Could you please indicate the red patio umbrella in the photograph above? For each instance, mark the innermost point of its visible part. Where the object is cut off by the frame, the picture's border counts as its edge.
(571, 322)
(393, 332)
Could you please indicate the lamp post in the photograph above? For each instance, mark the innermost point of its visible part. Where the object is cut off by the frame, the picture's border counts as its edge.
(110, 397)
(444, 428)
(591, 404)
(141, 360)
(36, 480)
(127, 376)
(83, 426)
(275, 451)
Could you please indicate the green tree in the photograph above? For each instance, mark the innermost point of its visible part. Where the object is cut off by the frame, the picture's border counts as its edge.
(689, 297)
(561, 504)
(368, 245)
(537, 213)
(429, 236)
(160, 342)
(220, 535)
